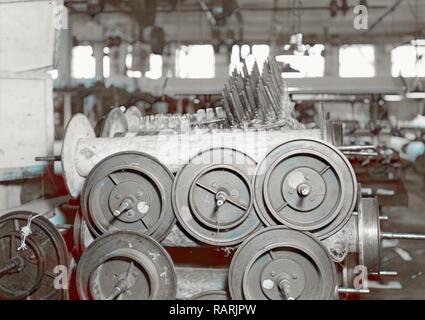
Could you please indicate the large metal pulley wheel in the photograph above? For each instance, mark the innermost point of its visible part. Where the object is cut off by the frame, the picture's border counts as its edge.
(306, 185)
(81, 234)
(28, 268)
(133, 115)
(213, 197)
(369, 234)
(129, 191)
(277, 263)
(126, 266)
(112, 124)
(211, 295)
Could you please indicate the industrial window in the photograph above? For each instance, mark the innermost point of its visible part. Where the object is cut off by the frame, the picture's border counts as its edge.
(408, 60)
(155, 67)
(106, 66)
(357, 61)
(83, 62)
(258, 53)
(195, 62)
(309, 64)
(106, 62)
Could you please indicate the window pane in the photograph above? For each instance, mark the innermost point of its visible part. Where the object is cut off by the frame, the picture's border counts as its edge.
(155, 63)
(404, 61)
(301, 66)
(357, 61)
(106, 66)
(259, 53)
(195, 62)
(83, 62)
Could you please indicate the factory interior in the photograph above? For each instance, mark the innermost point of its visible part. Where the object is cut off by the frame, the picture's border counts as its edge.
(212, 150)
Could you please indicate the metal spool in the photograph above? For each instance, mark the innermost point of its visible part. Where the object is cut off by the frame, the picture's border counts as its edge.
(213, 197)
(81, 234)
(126, 266)
(30, 273)
(133, 115)
(306, 185)
(282, 264)
(112, 124)
(369, 234)
(76, 230)
(211, 295)
(129, 191)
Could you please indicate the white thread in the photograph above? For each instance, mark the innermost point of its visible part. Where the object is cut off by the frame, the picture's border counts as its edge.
(25, 232)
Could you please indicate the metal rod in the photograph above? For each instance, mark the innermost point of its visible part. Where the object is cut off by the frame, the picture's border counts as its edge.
(285, 289)
(356, 148)
(410, 236)
(14, 264)
(125, 205)
(385, 273)
(118, 289)
(360, 153)
(352, 290)
(48, 158)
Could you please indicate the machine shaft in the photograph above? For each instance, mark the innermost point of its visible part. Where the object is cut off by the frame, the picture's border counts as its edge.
(13, 265)
(409, 236)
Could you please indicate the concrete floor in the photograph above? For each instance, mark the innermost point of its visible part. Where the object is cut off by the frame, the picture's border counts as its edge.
(411, 274)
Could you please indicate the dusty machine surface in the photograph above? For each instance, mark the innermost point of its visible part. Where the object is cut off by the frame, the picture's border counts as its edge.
(242, 202)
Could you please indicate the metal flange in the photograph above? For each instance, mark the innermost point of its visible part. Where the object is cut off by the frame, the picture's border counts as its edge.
(78, 128)
(126, 266)
(112, 124)
(133, 116)
(81, 234)
(129, 191)
(211, 295)
(306, 185)
(213, 197)
(28, 272)
(369, 234)
(277, 263)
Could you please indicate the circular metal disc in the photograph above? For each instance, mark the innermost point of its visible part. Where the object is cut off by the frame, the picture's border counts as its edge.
(306, 185)
(114, 123)
(133, 116)
(136, 263)
(46, 249)
(213, 197)
(78, 128)
(76, 230)
(136, 185)
(369, 234)
(81, 234)
(211, 295)
(277, 263)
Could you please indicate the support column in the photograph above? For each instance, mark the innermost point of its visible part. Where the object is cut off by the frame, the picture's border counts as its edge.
(118, 67)
(332, 61)
(382, 60)
(222, 61)
(169, 62)
(98, 55)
